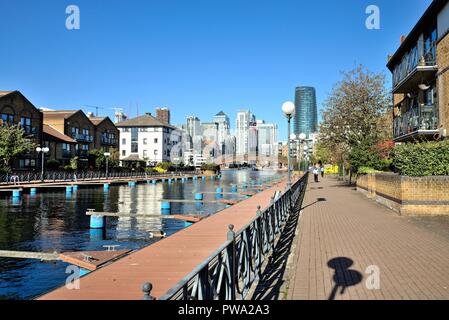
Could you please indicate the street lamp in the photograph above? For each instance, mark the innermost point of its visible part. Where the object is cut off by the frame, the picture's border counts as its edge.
(107, 155)
(288, 108)
(43, 150)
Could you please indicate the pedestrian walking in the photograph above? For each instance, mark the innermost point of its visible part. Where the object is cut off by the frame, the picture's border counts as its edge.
(315, 173)
(322, 171)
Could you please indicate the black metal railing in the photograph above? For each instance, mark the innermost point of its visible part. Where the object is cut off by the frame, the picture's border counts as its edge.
(61, 176)
(230, 272)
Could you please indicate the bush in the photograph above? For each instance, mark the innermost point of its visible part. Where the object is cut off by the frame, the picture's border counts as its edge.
(53, 165)
(210, 166)
(422, 159)
(366, 170)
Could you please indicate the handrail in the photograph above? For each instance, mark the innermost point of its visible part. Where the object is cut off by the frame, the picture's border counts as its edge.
(231, 270)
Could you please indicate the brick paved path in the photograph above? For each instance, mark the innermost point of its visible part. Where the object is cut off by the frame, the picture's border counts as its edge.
(343, 235)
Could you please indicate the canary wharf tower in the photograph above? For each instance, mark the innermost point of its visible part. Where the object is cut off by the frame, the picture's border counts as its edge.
(306, 116)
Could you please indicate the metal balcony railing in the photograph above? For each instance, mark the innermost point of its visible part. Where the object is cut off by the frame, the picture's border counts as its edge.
(418, 118)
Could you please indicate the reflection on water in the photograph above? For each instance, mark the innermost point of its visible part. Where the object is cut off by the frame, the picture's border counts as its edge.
(56, 221)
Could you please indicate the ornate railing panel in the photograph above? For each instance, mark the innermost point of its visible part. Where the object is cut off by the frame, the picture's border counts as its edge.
(230, 272)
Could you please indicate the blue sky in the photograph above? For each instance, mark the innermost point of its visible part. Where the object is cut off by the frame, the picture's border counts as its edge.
(196, 57)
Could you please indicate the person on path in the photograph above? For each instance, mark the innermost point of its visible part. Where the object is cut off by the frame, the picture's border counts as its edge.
(315, 173)
(322, 171)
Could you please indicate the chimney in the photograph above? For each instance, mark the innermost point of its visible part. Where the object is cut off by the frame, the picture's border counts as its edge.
(148, 113)
(90, 114)
(403, 38)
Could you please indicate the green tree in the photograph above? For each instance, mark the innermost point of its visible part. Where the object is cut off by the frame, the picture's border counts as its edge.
(13, 143)
(356, 117)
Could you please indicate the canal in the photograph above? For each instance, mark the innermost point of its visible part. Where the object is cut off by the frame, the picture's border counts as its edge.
(52, 221)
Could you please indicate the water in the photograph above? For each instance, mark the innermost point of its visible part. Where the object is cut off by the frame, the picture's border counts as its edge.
(51, 221)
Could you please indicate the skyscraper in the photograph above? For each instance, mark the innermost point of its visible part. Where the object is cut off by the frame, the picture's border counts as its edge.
(224, 128)
(306, 114)
(243, 122)
(267, 139)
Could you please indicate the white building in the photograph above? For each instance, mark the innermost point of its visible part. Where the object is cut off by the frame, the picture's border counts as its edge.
(267, 139)
(147, 139)
(243, 122)
(224, 129)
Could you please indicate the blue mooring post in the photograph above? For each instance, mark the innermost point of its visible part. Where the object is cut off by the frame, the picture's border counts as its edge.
(219, 193)
(106, 187)
(163, 180)
(234, 188)
(153, 182)
(166, 206)
(68, 190)
(132, 184)
(33, 191)
(75, 187)
(169, 181)
(199, 196)
(16, 193)
(212, 177)
(97, 222)
(203, 178)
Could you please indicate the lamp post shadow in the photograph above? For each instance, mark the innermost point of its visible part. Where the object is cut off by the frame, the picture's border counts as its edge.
(343, 276)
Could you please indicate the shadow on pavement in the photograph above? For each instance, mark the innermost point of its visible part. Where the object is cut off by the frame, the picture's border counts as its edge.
(343, 276)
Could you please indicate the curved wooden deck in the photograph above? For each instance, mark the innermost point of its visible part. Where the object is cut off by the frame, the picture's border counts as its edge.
(166, 262)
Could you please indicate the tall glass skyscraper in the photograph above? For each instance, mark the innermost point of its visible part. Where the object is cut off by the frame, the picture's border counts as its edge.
(306, 116)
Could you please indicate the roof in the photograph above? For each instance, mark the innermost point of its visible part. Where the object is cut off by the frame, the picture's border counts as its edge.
(143, 121)
(97, 120)
(60, 113)
(133, 157)
(430, 15)
(55, 134)
(221, 113)
(4, 93)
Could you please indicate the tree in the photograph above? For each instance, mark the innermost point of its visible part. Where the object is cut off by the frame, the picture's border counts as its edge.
(357, 115)
(13, 143)
(97, 159)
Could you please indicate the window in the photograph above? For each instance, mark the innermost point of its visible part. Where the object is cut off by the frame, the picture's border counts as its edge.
(86, 132)
(25, 123)
(134, 140)
(156, 152)
(85, 147)
(145, 140)
(123, 153)
(75, 131)
(7, 119)
(145, 153)
(155, 140)
(27, 163)
(123, 141)
(125, 129)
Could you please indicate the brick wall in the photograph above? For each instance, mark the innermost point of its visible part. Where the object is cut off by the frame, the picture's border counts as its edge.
(443, 80)
(407, 195)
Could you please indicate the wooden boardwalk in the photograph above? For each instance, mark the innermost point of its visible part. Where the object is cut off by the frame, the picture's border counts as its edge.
(341, 234)
(166, 262)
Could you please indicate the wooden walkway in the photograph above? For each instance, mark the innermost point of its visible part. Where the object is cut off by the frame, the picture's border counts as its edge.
(341, 234)
(166, 262)
(88, 182)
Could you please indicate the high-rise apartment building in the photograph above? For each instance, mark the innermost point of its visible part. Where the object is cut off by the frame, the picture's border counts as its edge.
(267, 139)
(243, 122)
(306, 113)
(224, 128)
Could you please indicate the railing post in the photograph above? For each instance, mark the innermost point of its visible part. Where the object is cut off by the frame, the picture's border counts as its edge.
(146, 288)
(232, 262)
(259, 247)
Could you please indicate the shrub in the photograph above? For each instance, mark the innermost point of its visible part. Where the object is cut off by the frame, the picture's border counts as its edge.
(52, 164)
(366, 170)
(422, 159)
(210, 166)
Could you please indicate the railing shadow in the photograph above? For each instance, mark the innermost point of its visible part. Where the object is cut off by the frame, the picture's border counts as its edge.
(343, 276)
(314, 203)
(272, 279)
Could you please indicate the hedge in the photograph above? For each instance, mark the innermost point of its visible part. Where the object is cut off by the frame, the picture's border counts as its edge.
(422, 159)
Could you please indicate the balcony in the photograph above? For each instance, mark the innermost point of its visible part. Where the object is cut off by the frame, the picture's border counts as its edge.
(419, 121)
(413, 71)
(108, 141)
(82, 137)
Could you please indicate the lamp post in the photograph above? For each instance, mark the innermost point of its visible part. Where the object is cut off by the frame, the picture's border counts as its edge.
(288, 108)
(43, 151)
(107, 155)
